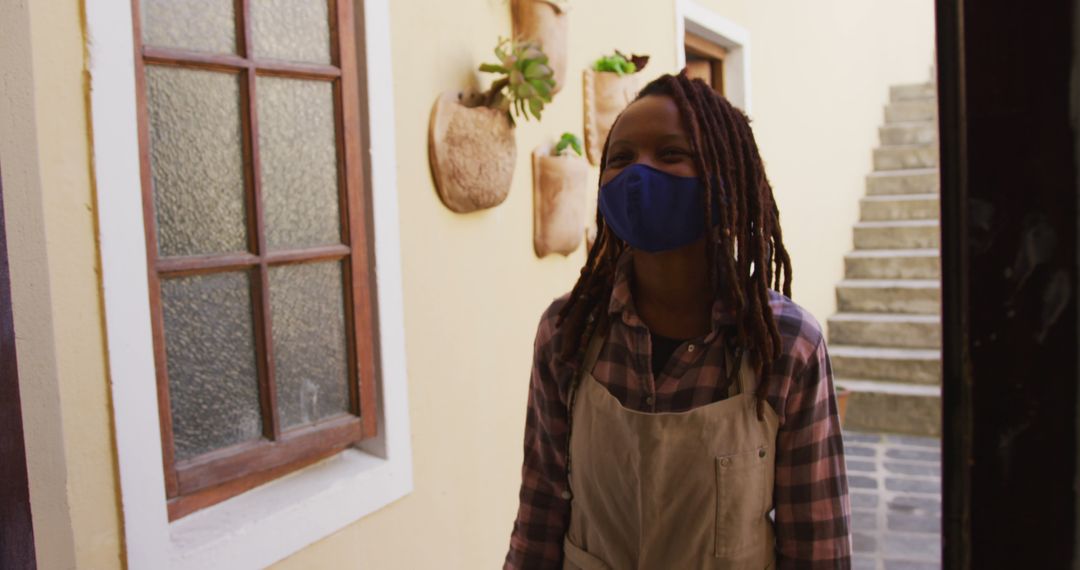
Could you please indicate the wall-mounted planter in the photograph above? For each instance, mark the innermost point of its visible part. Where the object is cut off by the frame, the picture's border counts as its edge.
(606, 95)
(472, 151)
(544, 22)
(558, 201)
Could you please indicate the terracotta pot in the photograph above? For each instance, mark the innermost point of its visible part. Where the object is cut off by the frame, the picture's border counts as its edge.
(842, 395)
(472, 152)
(606, 95)
(558, 201)
(545, 22)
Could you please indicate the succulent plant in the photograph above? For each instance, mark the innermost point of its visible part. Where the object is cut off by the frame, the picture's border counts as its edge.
(620, 63)
(526, 83)
(568, 140)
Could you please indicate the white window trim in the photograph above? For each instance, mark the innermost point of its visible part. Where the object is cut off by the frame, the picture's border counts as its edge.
(269, 523)
(697, 19)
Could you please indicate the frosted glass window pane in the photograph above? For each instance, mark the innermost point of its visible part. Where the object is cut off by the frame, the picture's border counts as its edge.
(298, 156)
(210, 353)
(291, 30)
(197, 25)
(197, 160)
(310, 356)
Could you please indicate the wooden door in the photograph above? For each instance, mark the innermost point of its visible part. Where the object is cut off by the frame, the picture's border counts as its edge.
(1009, 197)
(705, 61)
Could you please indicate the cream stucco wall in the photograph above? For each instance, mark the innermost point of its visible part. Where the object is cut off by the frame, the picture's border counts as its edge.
(49, 212)
(474, 291)
(821, 72)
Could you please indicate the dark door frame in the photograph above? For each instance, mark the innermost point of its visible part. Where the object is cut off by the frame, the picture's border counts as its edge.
(1009, 283)
(16, 526)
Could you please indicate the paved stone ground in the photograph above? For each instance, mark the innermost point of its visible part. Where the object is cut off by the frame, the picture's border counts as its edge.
(895, 484)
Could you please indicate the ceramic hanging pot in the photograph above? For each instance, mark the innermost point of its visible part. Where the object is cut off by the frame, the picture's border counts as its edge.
(606, 95)
(471, 149)
(544, 22)
(558, 201)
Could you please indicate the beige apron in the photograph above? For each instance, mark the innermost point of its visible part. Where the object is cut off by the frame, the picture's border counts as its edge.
(658, 491)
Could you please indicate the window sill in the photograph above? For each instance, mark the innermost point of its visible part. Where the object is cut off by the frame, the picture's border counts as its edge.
(268, 523)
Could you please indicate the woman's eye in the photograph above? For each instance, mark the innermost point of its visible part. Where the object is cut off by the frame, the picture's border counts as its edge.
(619, 158)
(674, 154)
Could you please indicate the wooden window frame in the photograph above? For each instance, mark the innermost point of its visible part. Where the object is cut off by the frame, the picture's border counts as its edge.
(213, 477)
(700, 48)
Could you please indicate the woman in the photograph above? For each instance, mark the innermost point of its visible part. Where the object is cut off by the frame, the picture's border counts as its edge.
(675, 398)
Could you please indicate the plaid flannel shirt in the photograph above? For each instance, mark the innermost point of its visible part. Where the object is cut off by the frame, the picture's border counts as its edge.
(812, 509)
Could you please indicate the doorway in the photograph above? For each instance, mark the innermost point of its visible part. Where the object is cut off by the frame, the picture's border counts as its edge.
(1008, 106)
(715, 49)
(16, 527)
(705, 61)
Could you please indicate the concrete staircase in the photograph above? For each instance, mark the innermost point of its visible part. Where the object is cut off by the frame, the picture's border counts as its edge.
(885, 342)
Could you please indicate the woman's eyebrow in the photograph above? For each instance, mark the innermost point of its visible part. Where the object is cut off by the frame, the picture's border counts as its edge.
(662, 139)
(675, 137)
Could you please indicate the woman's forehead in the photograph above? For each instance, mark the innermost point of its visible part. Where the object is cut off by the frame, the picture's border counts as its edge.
(652, 116)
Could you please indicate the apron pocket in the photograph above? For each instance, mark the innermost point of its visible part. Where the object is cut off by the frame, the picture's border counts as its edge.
(741, 487)
(574, 558)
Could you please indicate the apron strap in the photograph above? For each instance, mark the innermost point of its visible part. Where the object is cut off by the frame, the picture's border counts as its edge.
(746, 382)
(747, 377)
(592, 353)
(596, 342)
(733, 360)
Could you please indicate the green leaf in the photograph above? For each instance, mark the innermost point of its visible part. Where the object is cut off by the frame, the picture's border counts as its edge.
(542, 88)
(492, 68)
(538, 71)
(615, 64)
(535, 105)
(526, 91)
(568, 140)
(532, 53)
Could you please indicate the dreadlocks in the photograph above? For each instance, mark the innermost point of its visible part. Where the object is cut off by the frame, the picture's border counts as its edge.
(746, 259)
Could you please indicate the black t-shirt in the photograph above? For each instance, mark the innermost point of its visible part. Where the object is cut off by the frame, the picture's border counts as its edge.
(662, 349)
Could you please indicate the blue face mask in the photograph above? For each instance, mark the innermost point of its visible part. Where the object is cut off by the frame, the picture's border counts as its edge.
(652, 210)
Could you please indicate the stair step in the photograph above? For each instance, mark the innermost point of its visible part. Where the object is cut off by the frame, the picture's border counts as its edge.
(909, 296)
(885, 329)
(897, 234)
(891, 407)
(911, 110)
(906, 365)
(915, 132)
(893, 264)
(914, 181)
(900, 207)
(912, 91)
(906, 157)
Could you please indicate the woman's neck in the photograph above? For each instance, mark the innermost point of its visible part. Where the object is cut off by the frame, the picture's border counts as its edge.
(672, 293)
